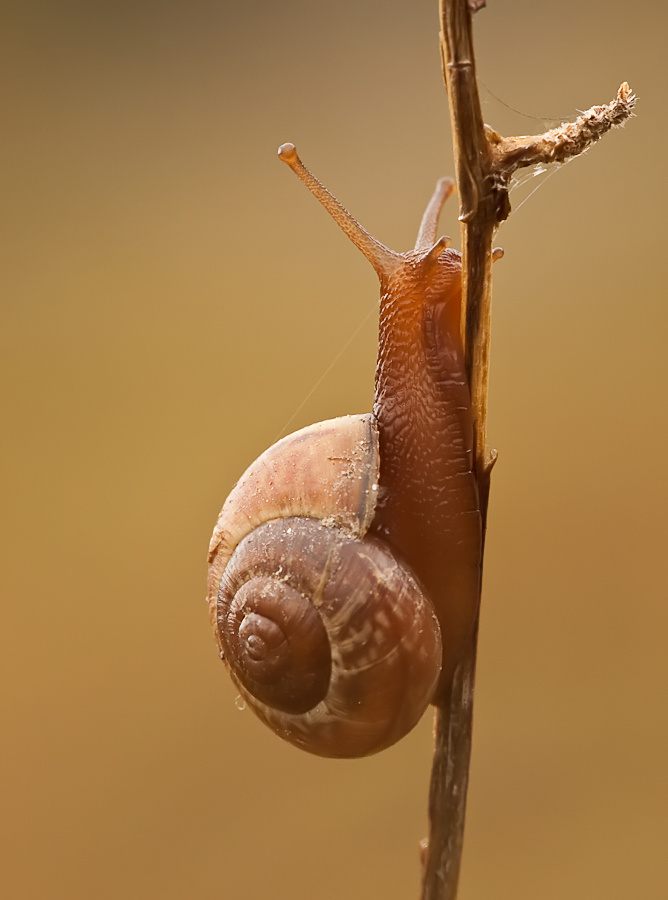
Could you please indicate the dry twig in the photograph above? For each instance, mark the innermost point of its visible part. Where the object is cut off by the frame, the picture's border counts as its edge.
(484, 162)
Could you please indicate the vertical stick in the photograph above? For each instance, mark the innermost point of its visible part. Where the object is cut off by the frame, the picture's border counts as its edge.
(484, 163)
(454, 714)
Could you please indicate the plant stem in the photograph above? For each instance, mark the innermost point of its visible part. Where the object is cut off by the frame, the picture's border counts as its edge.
(484, 164)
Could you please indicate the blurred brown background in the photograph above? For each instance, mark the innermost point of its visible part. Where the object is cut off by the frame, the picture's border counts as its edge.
(170, 295)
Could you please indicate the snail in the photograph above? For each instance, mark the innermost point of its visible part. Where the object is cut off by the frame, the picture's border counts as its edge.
(344, 567)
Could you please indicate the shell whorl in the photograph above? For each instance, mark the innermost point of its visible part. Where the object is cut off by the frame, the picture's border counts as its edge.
(328, 638)
(328, 471)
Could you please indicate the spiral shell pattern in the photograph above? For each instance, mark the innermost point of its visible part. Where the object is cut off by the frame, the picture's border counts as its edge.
(327, 636)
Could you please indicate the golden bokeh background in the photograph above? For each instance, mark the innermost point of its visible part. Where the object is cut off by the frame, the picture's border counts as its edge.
(170, 297)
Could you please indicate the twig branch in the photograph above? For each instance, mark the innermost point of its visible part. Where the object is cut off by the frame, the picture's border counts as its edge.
(562, 143)
(484, 164)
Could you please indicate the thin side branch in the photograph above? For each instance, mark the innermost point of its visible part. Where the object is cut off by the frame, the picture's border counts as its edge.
(560, 144)
(484, 164)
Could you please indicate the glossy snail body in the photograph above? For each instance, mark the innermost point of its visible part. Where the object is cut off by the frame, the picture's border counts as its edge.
(345, 564)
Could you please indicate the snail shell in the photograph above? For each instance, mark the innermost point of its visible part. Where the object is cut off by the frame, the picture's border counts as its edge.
(328, 637)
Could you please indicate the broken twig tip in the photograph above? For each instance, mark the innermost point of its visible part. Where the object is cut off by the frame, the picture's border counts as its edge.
(626, 95)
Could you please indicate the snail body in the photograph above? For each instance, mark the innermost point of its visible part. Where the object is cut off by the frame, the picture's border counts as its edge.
(344, 568)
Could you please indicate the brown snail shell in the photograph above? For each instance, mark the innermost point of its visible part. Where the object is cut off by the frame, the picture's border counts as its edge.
(329, 638)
